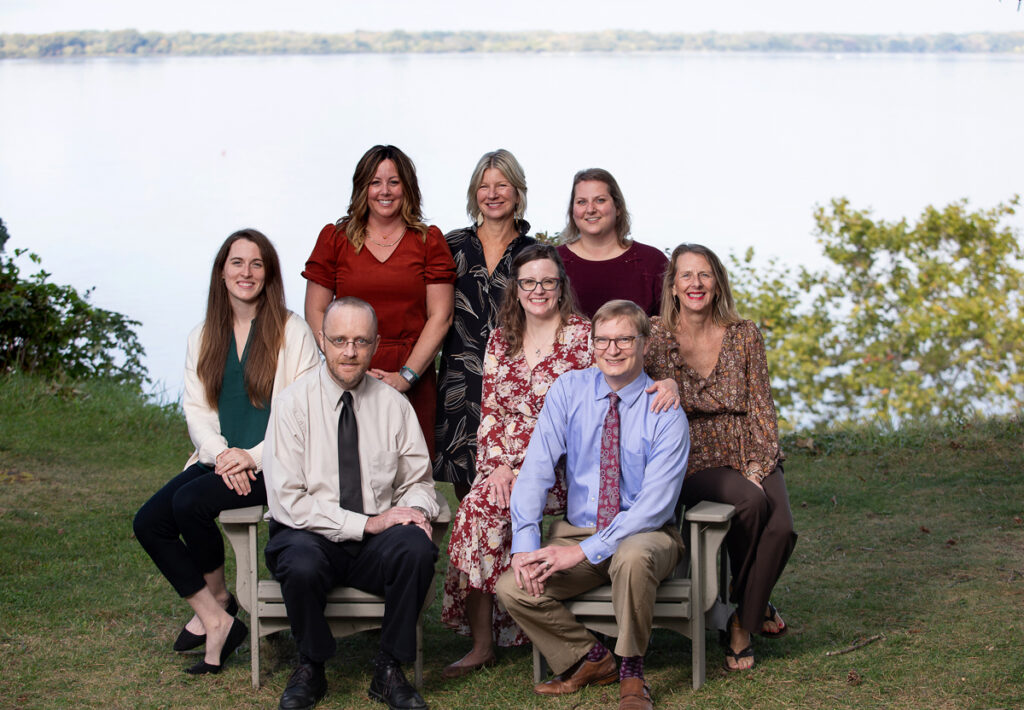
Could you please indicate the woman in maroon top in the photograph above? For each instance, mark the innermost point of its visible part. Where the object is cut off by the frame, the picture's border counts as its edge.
(602, 263)
(383, 253)
(718, 360)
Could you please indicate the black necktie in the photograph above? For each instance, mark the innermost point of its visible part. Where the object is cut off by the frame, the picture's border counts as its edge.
(349, 483)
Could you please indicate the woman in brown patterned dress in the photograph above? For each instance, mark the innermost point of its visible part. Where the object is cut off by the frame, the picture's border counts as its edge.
(718, 360)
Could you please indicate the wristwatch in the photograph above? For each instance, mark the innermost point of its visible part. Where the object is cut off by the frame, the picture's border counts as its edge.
(408, 375)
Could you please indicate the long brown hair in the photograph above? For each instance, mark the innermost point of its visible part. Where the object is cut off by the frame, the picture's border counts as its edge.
(267, 335)
(511, 317)
(623, 223)
(354, 223)
(723, 308)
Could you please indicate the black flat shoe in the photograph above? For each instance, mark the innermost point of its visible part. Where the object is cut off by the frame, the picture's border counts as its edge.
(187, 640)
(235, 637)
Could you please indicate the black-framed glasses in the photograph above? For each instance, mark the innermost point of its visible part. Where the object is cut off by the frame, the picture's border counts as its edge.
(549, 284)
(626, 342)
(358, 343)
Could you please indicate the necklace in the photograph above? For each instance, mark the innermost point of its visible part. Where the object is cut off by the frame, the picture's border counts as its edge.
(542, 346)
(382, 242)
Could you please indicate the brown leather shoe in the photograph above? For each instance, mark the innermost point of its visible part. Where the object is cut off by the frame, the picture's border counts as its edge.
(634, 695)
(600, 672)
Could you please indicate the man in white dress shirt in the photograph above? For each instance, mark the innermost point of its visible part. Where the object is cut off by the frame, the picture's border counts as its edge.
(351, 498)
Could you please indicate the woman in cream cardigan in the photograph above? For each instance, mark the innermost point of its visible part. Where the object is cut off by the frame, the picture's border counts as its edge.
(247, 349)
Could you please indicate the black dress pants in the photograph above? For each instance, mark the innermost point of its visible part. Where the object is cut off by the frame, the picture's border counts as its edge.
(397, 564)
(760, 539)
(178, 526)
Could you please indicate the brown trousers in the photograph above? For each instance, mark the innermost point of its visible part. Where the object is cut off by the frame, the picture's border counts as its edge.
(635, 570)
(761, 537)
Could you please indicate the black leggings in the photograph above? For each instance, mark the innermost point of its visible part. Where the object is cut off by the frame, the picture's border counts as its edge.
(178, 526)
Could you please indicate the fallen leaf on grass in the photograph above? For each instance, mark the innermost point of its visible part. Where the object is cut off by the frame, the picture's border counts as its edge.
(925, 530)
(806, 443)
(950, 542)
(1019, 520)
(853, 678)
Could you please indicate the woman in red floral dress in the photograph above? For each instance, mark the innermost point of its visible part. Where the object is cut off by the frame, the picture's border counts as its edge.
(539, 337)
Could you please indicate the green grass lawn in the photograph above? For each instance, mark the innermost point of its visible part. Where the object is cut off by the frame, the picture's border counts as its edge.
(915, 536)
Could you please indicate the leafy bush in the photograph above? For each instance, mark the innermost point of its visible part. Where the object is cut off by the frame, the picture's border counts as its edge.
(908, 321)
(52, 330)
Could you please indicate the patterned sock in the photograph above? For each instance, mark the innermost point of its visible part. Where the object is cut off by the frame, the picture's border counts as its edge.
(597, 652)
(631, 667)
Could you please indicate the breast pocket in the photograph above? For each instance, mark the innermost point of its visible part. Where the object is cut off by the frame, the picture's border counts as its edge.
(384, 465)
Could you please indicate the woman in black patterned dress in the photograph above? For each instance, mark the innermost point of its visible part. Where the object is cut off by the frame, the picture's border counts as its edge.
(483, 253)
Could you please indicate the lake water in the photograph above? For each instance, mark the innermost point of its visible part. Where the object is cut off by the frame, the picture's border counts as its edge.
(126, 175)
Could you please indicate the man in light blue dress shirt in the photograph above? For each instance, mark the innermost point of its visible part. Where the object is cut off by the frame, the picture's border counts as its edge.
(636, 550)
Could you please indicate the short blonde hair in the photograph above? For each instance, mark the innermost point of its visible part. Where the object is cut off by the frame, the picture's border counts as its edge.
(621, 308)
(505, 163)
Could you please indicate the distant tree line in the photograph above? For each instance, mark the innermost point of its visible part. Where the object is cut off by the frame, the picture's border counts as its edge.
(92, 43)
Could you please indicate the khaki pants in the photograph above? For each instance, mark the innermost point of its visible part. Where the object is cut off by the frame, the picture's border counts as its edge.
(635, 570)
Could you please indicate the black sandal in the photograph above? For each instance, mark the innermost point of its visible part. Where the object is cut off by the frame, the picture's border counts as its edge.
(747, 652)
(772, 615)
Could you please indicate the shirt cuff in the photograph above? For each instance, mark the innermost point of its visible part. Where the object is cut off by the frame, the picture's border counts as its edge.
(526, 540)
(596, 550)
(353, 527)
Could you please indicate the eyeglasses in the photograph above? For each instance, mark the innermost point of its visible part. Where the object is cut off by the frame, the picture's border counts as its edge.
(531, 284)
(340, 342)
(626, 342)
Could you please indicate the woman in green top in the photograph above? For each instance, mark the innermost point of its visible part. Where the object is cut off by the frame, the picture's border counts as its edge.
(247, 349)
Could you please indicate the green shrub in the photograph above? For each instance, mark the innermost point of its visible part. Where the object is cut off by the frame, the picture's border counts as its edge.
(52, 330)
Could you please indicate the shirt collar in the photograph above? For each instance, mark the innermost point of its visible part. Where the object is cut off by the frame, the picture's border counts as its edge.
(628, 394)
(333, 391)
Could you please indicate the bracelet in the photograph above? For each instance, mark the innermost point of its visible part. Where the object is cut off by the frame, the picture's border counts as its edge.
(409, 375)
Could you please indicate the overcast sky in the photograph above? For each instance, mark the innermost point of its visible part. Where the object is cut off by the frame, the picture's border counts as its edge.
(857, 16)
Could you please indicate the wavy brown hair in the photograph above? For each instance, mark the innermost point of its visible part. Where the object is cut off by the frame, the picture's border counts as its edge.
(267, 334)
(511, 317)
(723, 308)
(354, 223)
(623, 223)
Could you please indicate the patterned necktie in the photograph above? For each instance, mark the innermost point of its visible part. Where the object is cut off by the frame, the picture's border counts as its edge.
(349, 483)
(608, 499)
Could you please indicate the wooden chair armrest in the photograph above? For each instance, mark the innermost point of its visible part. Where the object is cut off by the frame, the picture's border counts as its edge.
(708, 512)
(252, 514)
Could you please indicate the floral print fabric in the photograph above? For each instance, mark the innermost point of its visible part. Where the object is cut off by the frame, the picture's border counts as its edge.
(513, 395)
(731, 412)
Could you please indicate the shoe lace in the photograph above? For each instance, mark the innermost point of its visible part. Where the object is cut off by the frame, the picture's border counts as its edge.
(394, 678)
(303, 673)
